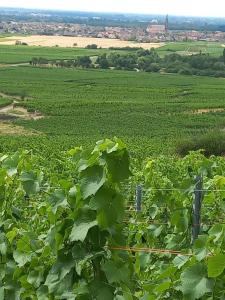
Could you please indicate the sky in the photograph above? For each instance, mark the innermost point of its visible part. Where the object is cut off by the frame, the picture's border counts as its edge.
(214, 8)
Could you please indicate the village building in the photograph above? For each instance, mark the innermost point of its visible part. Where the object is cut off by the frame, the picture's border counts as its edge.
(156, 28)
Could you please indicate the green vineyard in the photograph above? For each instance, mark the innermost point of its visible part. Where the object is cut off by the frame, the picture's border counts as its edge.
(150, 112)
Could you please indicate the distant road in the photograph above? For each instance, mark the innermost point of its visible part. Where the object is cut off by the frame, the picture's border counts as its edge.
(80, 42)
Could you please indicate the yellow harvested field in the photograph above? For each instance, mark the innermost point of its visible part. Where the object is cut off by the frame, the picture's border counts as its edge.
(81, 42)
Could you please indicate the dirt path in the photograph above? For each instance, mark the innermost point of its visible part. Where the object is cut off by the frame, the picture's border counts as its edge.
(2, 65)
(14, 110)
(207, 110)
(3, 95)
(6, 109)
(7, 128)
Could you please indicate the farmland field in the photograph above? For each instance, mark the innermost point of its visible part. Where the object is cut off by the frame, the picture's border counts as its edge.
(20, 54)
(150, 112)
(66, 41)
(188, 48)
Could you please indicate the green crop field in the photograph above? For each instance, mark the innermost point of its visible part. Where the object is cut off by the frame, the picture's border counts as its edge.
(21, 54)
(150, 112)
(188, 48)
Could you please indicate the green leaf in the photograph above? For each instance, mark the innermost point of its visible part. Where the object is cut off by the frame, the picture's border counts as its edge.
(105, 293)
(21, 258)
(23, 244)
(92, 179)
(12, 234)
(30, 182)
(2, 293)
(217, 231)
(118, 166)
(195, 283)
(42, 293)
(109, 205)
(3, 248)
(58, 199)
(200, 247)
(180, 219)
(153, 211)
(116, 273)
(101, 291)
(160, 288)
(216, 265)
(180, 260)
(11, 164)
(35, 277)
(80, 231)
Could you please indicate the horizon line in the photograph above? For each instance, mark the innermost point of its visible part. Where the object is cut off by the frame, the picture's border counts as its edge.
(111, 12)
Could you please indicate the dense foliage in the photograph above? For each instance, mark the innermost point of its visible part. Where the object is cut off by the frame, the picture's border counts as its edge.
(150, 61)
(60, 233)
(212, 143)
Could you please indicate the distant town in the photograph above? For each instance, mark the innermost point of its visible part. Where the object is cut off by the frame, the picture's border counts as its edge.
(153, 29)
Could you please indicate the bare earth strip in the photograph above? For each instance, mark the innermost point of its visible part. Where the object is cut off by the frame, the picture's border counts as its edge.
(19, 112)
(11, 129)
(81, 42)
(207, 110)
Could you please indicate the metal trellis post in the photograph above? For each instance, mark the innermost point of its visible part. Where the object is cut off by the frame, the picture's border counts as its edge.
(196, 209)
(138, 198)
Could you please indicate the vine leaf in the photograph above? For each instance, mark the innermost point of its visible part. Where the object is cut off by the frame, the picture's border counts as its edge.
(80, 231)
(92, 179)
(115, 273)
(118, 161)
(216, 265)
(30, 182)
(109, 206)
(10, 164)
(58, 199)
(195, 283)
(2, 293)
(21, 258)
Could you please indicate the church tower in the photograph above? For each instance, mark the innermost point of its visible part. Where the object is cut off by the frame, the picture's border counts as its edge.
(167, 23)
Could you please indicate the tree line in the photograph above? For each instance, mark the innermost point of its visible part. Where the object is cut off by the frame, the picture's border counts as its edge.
(147, 61)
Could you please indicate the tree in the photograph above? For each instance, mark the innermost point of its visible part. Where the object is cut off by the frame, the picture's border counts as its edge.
(83, 61)
(34, 61)
(102, 61)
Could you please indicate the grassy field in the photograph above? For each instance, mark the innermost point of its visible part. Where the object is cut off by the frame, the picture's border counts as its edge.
(20, 54)
(188, 48)
(149, 111)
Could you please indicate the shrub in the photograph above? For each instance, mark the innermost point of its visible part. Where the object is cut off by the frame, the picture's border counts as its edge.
(185, 71)
(213, 143)
(92, 46)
